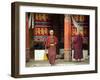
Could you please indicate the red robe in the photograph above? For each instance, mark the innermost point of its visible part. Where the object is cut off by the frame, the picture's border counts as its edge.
(51, 49)
(78, 51)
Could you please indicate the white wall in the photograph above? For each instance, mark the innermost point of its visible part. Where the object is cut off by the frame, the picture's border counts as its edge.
(5, 40)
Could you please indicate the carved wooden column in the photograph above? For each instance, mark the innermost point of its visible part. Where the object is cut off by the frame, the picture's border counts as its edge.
(67, 38)
(27, 39)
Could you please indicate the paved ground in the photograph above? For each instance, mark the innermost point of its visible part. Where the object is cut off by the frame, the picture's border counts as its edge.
(59, 62)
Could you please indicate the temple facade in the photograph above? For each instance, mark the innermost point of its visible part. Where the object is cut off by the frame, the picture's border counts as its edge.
(64, 26)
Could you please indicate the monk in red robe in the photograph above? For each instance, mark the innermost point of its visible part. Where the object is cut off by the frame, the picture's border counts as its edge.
(50, 44)
(78, 50)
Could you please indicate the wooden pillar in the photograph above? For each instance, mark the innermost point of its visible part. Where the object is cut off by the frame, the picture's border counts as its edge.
(27, 39)
(67, 38)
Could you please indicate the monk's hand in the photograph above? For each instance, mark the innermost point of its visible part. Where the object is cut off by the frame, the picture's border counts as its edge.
(51, 44)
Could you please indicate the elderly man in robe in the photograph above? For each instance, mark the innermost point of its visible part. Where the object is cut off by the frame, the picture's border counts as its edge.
(50, 44)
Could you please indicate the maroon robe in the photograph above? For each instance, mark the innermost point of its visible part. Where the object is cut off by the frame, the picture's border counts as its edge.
(51, 49)
(78, 51)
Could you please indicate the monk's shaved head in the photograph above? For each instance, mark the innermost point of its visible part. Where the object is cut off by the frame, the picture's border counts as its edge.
(51, 32)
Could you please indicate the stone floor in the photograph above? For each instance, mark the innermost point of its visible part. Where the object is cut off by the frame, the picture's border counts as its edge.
(59, 62)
